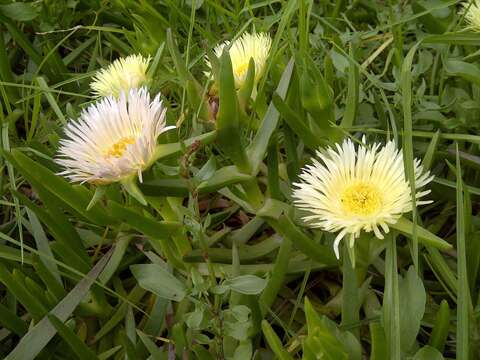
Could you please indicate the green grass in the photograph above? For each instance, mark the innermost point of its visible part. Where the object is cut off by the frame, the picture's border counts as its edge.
(217, 263)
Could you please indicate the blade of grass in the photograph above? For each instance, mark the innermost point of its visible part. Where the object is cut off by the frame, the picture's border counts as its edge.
(277, 276)
(406, 84)
(463, 297)
(391, 309)
(39, 336)
(78, 346)
(43, 245)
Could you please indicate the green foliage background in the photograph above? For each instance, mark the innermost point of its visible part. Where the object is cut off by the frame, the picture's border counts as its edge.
(218, 264)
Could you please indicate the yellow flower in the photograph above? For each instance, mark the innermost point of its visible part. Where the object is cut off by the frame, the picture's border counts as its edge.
(248, 46)
(471, 10)
(113, 139)
(122, 75)
(349, 190)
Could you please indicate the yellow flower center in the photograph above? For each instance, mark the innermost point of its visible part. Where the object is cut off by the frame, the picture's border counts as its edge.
(117, 149)
(361, 199)
(241, 69)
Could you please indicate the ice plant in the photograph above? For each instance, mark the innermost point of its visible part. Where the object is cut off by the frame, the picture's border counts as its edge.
(471, 11)
(248, 46)
(348, 189)
(122, 75)
(113, 139)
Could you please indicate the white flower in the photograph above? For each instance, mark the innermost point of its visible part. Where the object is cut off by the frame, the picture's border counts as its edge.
(248, 46)
(113, 139)
(471, 10)
(349, 190)
(122, 75)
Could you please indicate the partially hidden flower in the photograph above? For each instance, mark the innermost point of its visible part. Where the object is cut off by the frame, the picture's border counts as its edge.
(471, 11)
(122, 75)
(113, 139)
(349, 189)
(254, 46)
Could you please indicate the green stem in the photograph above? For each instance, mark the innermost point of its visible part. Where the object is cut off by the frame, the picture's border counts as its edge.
(350, 307)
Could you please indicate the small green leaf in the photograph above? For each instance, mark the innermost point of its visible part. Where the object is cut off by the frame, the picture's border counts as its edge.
(441, 327)
(97, 196)
(246, 284)
(428, 353)
(20, 11)
(130, 184)
(243, 351)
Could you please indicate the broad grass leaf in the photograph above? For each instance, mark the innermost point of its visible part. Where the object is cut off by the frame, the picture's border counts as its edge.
(146, 225)
(435, 21)
(467, 71)
(175, 187)
(156, 279)
(455, 38)
(221, 178)
(426, 237)
(164, 151)
(412, 299)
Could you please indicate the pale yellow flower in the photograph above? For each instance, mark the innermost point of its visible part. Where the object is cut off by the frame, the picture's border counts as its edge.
(471, 10)
(348, 190)
(248, 46)
(114, 139)
(122, 75)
